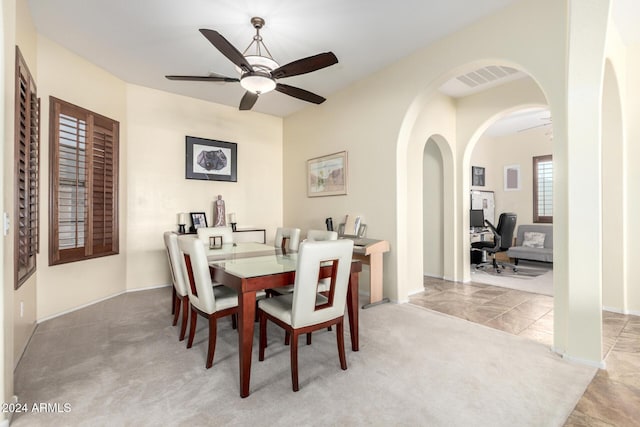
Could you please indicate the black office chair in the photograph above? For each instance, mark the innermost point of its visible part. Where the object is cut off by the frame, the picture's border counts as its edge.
(502, 240)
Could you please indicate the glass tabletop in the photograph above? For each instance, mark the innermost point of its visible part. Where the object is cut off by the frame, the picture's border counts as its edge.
(246, 260)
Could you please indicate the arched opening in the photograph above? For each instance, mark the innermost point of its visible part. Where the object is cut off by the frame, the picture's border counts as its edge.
(443, 190)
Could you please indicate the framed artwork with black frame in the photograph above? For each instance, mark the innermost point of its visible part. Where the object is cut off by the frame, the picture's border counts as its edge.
(198, 220)
(211, 160)
(477, 176)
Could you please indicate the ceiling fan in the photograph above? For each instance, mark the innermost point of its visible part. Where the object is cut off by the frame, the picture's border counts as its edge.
(548, 121)
(258, 70)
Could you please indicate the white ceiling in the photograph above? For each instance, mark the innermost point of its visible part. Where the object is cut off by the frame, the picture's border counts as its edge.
(141, 41)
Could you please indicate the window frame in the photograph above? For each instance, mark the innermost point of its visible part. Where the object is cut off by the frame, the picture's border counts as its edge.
(26, 171)
(537, 218)
(97, 126)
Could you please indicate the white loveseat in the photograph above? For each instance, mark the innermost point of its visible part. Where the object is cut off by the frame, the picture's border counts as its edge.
(533, 246)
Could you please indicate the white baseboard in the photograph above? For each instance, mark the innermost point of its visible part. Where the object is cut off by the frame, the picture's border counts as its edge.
(71, 310)
(619, 311)
(7, 421)
(600, 365)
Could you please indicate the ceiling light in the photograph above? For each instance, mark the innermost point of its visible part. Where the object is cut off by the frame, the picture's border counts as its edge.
(257, 82)
(260, 80)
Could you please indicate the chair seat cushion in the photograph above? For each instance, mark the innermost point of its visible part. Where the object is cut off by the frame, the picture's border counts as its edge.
(283, 290)
(536, 254)
(225, 297)
(482, 245)
(280, 307)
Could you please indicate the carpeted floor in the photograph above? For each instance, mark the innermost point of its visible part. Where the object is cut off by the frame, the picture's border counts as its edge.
(119, 362)
(530, 276)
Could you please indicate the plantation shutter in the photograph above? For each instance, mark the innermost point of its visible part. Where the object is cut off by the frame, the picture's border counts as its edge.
(27, 159)
(84, 217)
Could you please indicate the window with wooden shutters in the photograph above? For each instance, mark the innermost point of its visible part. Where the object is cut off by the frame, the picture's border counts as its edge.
(543, 189)
(27, 159)
(84, 184)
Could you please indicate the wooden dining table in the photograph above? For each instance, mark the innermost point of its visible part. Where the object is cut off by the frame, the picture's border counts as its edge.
(252, 267)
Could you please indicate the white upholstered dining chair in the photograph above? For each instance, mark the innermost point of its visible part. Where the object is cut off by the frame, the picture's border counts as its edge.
(205, 299)
(205, 232)
(180, 294)
(305, 310)
(287, 238)
(318, 236)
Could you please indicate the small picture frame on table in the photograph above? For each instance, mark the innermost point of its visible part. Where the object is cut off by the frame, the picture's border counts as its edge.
(198, 220)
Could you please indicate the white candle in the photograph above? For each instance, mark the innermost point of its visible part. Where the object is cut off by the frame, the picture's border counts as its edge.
(232, 217)
(182, 218)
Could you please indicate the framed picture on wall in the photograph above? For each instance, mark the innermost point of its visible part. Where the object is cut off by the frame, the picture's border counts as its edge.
(327, 175)
(477, 176)
(512, 178)
(211, 160)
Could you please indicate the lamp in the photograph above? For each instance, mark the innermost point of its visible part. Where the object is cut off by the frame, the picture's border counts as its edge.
(260, 80)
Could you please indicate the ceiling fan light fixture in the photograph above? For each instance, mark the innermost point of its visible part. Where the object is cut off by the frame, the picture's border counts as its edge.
(257, 82)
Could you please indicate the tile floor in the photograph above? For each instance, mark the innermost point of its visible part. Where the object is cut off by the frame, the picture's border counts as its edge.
(612, 398)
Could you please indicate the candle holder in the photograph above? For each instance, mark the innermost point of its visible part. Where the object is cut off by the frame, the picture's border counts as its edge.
(233, 226)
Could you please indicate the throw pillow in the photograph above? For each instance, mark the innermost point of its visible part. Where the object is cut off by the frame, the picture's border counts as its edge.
(533, 239)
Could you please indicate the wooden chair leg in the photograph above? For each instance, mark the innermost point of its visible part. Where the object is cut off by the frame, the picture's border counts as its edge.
(213, 333)
(176, 310)
(294, 361)
(308, 338)
(192, 327)
(340, 335)
(185, 316)
(263, 336)
(173, 301)
(287, 337)
(234, 321)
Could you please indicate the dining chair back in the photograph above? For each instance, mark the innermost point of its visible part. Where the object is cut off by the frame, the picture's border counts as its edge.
(205, 232)
(180, 294)
(321, 235)
(304, 310)
(205, 299)
(318, 235)
(287, 238)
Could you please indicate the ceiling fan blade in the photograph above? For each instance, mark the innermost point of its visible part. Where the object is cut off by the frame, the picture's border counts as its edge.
(302, 94)
(227, 49)
(210, 78)
(305, 65)
(248, 100)
(535, 127)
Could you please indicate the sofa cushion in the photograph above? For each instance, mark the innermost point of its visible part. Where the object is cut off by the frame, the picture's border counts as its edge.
(535, 254)
(533, 239)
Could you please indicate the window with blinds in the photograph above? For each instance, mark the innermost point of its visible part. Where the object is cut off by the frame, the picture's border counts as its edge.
(84, 184)
(543, 189)
(27, 164)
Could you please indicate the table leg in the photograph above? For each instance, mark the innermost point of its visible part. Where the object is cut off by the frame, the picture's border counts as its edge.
(352, 310)
(246, 315)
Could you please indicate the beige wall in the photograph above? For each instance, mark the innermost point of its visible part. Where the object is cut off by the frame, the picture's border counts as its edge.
(71, 78)
(632, 110)
(7, 18)
(157, 189)
(516, 149)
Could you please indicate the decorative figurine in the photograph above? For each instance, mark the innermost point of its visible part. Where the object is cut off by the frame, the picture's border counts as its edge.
(220, 216)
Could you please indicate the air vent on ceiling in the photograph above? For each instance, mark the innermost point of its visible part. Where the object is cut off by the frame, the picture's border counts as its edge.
(486, 75)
